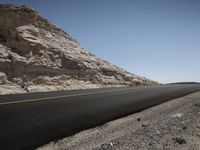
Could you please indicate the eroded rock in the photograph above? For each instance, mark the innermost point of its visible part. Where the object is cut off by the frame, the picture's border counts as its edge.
(35, 52)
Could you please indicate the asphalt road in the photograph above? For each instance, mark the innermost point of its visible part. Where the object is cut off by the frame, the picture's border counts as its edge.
(31, 120)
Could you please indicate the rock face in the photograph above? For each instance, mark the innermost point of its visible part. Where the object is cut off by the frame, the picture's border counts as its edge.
(35, 55)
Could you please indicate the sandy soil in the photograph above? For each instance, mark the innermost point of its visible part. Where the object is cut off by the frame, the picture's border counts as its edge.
(174, 125)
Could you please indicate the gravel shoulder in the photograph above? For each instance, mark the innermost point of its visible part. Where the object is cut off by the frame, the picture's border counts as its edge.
(174, 125)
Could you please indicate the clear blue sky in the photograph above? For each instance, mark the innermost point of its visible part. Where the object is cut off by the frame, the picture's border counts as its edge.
(159, 39)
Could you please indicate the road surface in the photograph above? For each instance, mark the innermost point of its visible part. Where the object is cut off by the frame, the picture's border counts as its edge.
(31, 120)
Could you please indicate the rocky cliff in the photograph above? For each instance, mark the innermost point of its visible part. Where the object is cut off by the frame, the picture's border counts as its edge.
(37, 56)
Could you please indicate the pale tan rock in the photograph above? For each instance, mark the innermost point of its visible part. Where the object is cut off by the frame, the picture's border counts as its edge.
(3, 78)
(38, 52)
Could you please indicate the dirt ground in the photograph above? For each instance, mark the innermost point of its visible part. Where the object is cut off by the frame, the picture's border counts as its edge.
(174, 125)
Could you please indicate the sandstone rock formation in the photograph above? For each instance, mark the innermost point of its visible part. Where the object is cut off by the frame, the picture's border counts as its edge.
(37, 56)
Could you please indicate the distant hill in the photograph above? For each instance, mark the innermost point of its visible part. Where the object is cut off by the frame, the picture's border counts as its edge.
(185, 83)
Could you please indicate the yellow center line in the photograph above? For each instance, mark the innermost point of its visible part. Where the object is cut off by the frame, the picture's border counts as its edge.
(49, 98)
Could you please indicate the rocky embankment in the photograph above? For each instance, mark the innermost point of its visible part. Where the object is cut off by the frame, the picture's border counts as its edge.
(37, 56)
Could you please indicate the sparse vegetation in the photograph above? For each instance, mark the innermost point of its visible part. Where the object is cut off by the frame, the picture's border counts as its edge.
(180, 140)
(2, 39)
(197, 104)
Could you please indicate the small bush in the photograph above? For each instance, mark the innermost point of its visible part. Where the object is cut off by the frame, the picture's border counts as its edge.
(197, 104)
(180, 140)
(2, 39)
